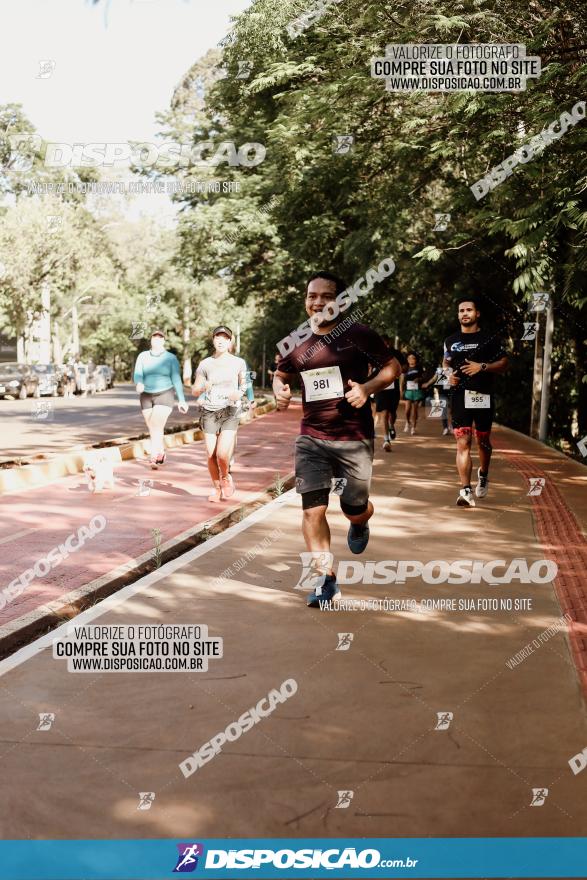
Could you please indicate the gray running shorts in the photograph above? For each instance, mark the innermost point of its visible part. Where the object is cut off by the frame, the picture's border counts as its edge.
(213, 421)
(319, 461)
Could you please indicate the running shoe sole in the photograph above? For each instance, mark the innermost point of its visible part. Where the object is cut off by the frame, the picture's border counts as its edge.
(357, 545)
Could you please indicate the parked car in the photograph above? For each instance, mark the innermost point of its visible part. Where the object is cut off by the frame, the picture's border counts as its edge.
(104, 377)
(51, 379)
(18, 380)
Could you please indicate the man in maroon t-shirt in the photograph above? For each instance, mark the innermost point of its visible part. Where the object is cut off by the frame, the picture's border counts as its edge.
(336, 439)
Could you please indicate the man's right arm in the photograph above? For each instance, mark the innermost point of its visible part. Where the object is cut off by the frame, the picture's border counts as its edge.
(446, 365)
(281, 388)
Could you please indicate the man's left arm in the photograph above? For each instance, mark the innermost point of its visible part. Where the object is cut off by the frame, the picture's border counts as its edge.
(471, 368)
(359, 393)
(386, 375)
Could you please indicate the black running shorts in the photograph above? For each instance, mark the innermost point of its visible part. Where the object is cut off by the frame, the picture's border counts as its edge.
(463, 417)
(387, 400)
(160, 398)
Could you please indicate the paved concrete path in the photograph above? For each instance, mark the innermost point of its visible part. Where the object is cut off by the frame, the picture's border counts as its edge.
(363, 719)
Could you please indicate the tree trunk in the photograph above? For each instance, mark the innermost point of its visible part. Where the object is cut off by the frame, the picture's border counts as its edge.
(546, 373)
(537, 379)
(580, 346)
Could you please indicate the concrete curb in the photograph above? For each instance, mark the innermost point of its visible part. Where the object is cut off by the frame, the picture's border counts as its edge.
(543, 447)
(16, 633)
(40, 473)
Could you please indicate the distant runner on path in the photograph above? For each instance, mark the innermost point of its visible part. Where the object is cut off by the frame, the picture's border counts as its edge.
(158, 380)
(472, 394)
(222, 381)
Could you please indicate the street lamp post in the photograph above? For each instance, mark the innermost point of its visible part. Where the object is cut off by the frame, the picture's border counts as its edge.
(75, 323)
(44, 324)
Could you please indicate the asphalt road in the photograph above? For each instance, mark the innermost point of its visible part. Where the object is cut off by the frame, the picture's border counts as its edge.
(73, 421)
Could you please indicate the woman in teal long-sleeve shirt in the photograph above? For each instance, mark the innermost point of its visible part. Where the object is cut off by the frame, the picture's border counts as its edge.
(157, 376)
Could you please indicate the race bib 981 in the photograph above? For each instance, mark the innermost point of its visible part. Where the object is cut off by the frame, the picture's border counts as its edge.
(322, 383)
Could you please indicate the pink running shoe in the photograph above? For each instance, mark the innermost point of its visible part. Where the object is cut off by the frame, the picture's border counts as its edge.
(216, 495)
(228, 487)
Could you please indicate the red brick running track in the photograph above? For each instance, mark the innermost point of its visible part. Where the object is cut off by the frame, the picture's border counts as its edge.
(559, 533)
(35, 521)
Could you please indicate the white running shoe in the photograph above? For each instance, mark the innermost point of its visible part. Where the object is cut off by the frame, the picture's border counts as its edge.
(481, 489)
(387, 446)
(444, 432)
(406, 428)
(465, 498)
(412, 430)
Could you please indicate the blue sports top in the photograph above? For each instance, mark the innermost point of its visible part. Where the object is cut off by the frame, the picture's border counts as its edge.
(159, 373)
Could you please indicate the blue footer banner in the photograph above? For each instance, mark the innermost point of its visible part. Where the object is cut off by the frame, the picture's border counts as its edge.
(368, 858)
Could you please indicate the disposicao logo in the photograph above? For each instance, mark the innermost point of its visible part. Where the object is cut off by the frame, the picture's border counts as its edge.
(187, 860)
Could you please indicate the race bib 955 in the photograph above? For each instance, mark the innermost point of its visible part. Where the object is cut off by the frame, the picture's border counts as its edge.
(474, 400)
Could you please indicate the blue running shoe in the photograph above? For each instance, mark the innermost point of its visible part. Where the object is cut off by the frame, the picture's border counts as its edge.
(329, 590)
(358, 538)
